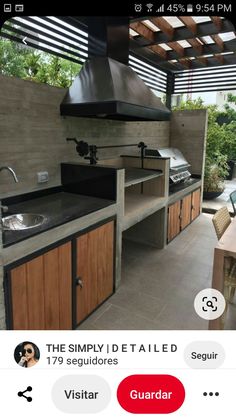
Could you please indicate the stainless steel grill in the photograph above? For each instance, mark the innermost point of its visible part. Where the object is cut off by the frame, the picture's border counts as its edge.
(179, 167)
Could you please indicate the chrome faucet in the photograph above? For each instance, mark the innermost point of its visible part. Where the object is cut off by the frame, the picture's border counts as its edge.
(11, 171)
(4, 208)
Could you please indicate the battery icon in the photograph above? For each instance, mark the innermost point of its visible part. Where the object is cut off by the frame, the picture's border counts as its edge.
(189, 8)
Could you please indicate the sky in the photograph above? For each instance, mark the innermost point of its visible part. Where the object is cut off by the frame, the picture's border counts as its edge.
(208, 98)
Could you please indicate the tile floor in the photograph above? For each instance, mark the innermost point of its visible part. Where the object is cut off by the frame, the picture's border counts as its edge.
(159, 286)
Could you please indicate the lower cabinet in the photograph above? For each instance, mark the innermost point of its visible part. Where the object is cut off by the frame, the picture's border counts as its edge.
(40, 289)
(196, 204)
(57, 289)
(185, 214)
(94, 268)
(173, 221)
(182, 213)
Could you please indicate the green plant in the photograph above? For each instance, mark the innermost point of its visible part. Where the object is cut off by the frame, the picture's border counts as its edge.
(215, 173)
(219, 145)
(227, 120)
(38, 66)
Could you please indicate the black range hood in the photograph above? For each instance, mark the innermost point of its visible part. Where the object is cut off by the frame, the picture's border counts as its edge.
(106, 86)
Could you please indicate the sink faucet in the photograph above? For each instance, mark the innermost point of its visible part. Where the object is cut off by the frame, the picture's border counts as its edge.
(11, 171)
(4, 208)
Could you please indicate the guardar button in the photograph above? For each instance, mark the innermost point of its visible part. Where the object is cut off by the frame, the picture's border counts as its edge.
(151, 393)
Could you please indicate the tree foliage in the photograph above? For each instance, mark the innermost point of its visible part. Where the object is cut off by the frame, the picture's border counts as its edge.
(30, 64)
(221, 140)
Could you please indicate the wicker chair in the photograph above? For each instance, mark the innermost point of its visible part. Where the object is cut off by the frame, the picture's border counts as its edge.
(221, 220)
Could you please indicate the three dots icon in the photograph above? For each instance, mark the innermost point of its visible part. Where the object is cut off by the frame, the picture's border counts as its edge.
(22, 394)
(211, 394)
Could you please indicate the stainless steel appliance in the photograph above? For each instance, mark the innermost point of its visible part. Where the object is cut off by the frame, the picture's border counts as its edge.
(179, 167)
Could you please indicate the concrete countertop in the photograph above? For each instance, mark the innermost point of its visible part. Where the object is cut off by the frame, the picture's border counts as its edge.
(58, 208)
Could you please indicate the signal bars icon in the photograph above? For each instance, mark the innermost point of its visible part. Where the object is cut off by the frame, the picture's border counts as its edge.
(161, 9)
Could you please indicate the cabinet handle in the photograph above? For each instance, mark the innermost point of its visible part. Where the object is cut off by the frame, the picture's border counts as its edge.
(79, 282)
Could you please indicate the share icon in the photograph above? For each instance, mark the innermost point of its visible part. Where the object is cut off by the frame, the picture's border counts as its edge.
(22, 394)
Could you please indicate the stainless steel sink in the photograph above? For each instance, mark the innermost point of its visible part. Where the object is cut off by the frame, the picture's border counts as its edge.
(22, 221)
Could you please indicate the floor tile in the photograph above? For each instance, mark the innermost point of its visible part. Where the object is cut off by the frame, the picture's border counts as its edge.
(158, 287)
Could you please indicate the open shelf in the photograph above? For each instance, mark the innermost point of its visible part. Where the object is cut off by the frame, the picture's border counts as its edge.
(133, 175)
(140, 206)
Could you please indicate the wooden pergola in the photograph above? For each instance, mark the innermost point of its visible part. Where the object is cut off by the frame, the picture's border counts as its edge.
(198, 54)
(172, 54)
(184, 42)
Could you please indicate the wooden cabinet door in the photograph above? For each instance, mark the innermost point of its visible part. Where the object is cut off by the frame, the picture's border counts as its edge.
(196, 204)
(86, 290)
(186, 206)
(41, 291)
(105, 274)
(173, 220)
(94, 269)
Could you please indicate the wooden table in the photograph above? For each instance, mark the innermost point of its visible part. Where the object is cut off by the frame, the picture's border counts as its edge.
(226, 246)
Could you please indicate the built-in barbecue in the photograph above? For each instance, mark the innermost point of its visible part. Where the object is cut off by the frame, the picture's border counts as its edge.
(179, 166)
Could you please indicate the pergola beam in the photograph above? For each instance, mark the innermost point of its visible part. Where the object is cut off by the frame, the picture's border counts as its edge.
(164, 26)
(197, 46)
(143, 30)
(148, 34)
(189, 23)
(217, 22)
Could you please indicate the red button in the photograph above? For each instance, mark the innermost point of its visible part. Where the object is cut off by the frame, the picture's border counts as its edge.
(146, 393)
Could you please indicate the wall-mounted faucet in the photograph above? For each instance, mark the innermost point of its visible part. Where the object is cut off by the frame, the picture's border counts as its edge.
(4, 208)
(11, 171)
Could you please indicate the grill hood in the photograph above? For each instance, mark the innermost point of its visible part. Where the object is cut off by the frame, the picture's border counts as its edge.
(109, 89)
(177, 159)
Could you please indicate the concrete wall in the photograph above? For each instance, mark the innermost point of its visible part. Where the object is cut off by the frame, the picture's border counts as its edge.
(33, 134)
(33, 138)
(188, 131)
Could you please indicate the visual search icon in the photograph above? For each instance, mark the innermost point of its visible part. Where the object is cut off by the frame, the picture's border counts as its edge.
(206, 303)
(209, 304)
(22, 394)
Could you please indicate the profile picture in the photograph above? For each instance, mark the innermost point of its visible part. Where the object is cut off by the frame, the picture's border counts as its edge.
(26, 354)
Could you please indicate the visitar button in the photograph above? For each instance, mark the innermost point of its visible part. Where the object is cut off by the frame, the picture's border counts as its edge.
(81, 394)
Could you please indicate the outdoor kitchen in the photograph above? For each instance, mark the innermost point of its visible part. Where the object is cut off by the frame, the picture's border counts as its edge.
(117, 178)
(137, 214)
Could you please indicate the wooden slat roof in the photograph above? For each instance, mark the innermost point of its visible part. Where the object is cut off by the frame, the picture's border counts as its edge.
(184, 42)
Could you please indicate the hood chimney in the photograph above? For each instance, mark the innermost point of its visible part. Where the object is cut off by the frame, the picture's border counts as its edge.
(106, 86)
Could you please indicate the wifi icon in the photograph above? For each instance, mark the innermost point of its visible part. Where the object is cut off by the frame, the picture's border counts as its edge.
(149, 7)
